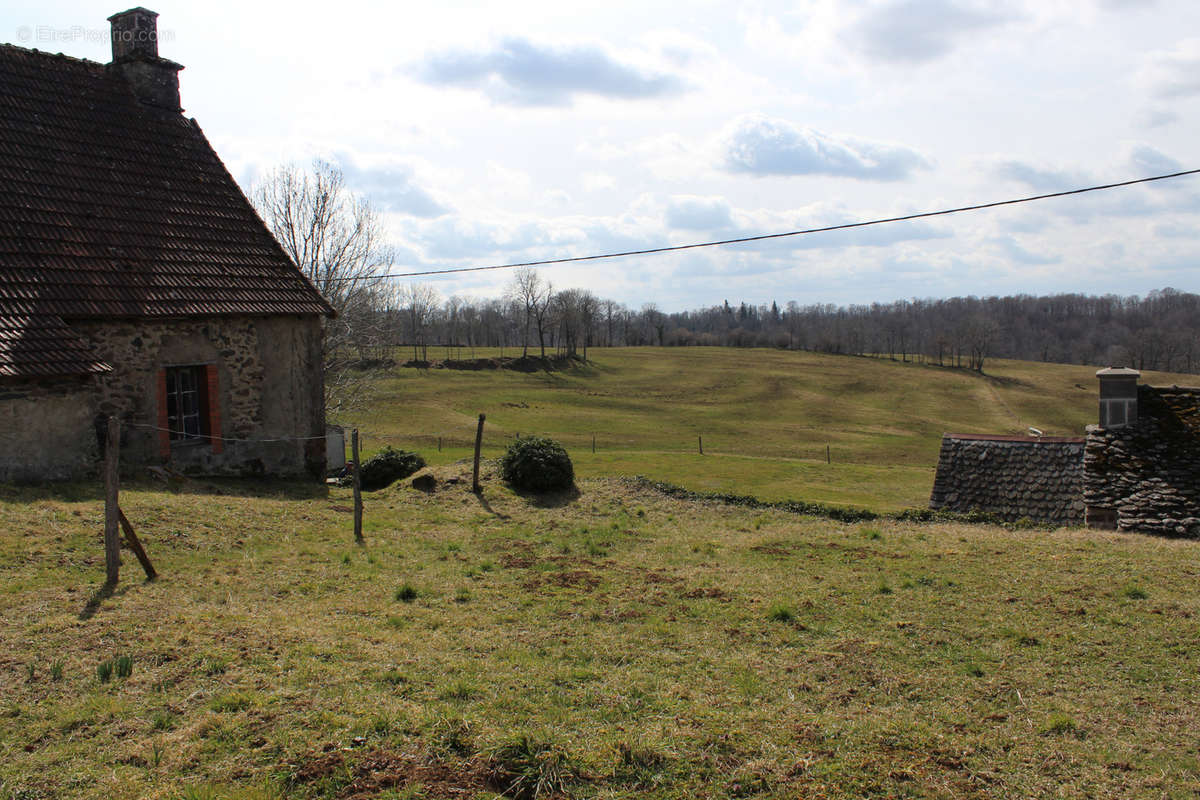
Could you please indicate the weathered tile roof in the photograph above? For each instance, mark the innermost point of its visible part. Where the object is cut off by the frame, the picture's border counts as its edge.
(1014, 477)
(109, 207)
(43, 346)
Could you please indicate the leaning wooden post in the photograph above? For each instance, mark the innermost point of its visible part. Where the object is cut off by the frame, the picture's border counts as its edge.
(475, 487)
(358, 534)
(135, 544)
(112, 510)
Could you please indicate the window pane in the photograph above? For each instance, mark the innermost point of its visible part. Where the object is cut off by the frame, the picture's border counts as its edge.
(185, 401)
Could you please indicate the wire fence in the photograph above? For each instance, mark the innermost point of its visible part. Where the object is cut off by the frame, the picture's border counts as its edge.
(599, 443)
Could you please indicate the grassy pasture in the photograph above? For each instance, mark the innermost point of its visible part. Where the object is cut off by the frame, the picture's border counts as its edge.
(613, 644)
(766, 416)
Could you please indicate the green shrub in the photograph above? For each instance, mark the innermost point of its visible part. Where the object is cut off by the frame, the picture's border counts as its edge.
(388, 466)
(537, 464)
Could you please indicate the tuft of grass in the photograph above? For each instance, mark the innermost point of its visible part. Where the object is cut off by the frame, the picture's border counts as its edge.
(56, 670)
(459, 690)
(162, 721)
(232, 702)
(463, 595)
(406, 593)
(451, 736)
(781, 613)
(104, 671)
(123, 666)
(1134, 592)
(528, 769)
(1059, 723)
(213, 665)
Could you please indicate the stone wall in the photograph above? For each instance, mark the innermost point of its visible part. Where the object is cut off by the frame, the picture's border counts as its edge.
(1146, 476)
(1014, 477)
(270, 404)
(47, 429)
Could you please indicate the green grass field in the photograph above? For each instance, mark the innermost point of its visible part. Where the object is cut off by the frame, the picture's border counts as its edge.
(767, 418)
(609, 642)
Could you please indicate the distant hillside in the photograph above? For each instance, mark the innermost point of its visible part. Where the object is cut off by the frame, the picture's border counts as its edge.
(767, 419)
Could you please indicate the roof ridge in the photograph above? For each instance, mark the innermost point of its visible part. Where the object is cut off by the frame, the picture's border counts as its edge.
(87, 62)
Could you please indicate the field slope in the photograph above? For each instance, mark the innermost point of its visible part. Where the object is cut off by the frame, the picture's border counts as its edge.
(768, 419)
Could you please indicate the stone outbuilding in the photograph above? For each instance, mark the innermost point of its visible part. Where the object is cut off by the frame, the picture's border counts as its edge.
(1138, 470)
(137, 281)
(1142, 463)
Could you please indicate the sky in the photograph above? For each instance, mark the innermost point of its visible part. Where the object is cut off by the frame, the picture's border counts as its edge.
(506, 132)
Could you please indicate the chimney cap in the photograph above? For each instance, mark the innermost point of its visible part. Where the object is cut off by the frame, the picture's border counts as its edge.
(1118, 372)
(135, 36)
(134, 10)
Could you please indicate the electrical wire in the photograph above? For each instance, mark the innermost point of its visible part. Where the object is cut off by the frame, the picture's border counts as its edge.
(766, 236)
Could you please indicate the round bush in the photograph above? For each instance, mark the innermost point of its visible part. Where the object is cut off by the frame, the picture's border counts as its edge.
(388, 466)
(537, 464)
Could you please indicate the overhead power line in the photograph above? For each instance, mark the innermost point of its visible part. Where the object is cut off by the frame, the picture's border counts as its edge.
(806, 231)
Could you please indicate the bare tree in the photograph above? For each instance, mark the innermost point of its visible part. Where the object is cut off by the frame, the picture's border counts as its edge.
(336, 238)
(534, 297)
(420, 303)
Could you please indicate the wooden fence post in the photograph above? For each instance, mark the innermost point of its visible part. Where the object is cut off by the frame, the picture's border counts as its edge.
(827, 461)
(700, 442)
(358, 534)
(475, 487)
(112, 511)
(593, 444)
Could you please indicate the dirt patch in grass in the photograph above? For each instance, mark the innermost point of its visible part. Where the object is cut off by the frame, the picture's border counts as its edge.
(364, 776)
(567, 579)
(707, 593)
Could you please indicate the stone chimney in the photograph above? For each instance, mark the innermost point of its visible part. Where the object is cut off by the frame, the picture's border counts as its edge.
(154, 80)
(1118, 397)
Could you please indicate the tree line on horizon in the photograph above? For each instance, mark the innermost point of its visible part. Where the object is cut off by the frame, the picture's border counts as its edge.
(337, 239)
(1160, 331)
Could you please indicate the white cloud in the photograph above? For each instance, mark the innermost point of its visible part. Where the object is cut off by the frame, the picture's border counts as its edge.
(1173, 73)
(517, 71)
(392, 185)
(918, 31)
(689, 212)
(758, 145)
(1040, 177)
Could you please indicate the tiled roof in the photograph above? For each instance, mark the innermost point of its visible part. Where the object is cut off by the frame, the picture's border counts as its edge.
(43, 346)
(1014, 477)
(109, 207)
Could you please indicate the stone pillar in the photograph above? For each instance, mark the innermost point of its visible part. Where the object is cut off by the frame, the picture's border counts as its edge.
(1118, 397)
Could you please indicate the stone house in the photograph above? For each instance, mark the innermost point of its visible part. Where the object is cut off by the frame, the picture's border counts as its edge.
(137, 281)
(1137, 470)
